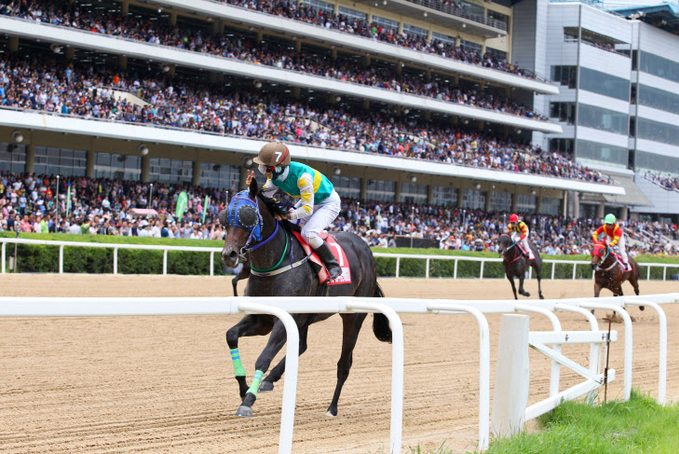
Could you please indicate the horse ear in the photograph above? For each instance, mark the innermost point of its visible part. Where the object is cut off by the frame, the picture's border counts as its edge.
(254, 188)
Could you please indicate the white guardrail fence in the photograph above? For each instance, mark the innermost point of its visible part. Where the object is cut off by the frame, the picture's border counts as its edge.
(282, 307)
(548, 271)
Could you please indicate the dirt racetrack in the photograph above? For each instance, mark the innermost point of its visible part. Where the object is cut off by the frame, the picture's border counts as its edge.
(165, 384)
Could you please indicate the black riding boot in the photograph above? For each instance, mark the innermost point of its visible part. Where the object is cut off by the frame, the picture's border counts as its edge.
(324, 252)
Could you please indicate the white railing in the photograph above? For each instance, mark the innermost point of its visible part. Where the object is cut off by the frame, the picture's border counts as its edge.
(547, 273)
(391, 307)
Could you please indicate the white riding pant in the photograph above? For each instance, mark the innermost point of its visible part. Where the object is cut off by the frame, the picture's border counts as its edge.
(323, 215)
(621, 248)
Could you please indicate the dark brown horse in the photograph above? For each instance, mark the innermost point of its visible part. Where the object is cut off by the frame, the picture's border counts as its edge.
(609, 273)
(279, 266)
(516, 263)
(243, 273)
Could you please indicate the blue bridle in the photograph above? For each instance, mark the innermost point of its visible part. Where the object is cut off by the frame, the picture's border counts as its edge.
(243, 212)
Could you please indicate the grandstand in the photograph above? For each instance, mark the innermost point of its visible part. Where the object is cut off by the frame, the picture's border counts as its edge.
(172, 92)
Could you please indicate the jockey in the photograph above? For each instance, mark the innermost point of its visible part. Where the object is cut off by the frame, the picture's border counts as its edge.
(614, 236)
(518, 230)
(318, 205)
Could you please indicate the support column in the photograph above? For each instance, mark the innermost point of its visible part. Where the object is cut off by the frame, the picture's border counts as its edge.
(122, 62)
(624, 213)
(69, 53)
(489, 196)
(366, 104)
(260, 36)
(600, 210)
(399, 190)
(367, 60)
(538, 203)
(125, 7)
(145, 168)
(298, 45)
(173, 18)
(89, 169)
(195, 177)
(399, 68)
(13, 43)
(364, 188)
(576, 205)
(30, 158)
(218, 27)
(515, 198)
(333, 53)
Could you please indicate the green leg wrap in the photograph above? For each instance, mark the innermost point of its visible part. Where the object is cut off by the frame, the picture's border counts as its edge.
(254, 387)
(237, 366)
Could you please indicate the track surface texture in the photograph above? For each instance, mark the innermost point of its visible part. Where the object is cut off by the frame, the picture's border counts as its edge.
(165, 384)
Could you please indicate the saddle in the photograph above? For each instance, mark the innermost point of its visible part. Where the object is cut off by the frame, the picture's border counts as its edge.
(317, 263)
(618, 258)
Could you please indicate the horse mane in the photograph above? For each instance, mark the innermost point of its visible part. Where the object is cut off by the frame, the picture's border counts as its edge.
(275, 207)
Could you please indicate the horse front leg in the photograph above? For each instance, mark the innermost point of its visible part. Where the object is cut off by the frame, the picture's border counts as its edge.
(276, 342)
(511, 281)
(250, 325)
(521, 290)
(277, 372)
(351, 326)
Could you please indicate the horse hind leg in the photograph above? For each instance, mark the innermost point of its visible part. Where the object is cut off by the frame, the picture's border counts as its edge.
(277, 372)
(511, 281)
(351, 324)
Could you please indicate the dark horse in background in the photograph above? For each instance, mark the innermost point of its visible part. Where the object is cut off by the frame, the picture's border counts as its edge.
(243, 273)
(516, 263)
(280, 267)
(608, 271)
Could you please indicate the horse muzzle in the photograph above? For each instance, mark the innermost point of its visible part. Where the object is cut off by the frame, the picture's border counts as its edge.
(230, 257)
(594, 266)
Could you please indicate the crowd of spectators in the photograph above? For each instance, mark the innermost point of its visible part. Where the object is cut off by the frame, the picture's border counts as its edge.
(72, 15)
(46, 83)
(667, 182)
(241, 47)
(33, 203)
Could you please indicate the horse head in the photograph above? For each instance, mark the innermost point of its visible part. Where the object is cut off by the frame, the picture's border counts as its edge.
(243, 222)
(504, 243)
(599, 254)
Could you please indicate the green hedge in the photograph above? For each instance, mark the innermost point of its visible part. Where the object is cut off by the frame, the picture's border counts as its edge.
(44, 259)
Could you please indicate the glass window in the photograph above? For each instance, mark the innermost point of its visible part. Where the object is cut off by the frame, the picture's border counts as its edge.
(659, 99)
(444, 196)
(565, 75)
(659, 66)
(347, 187)
(12, 157)
(58, 161)
(561, 146)
(414, 193)
(603, 119)
(496, 53)
(604, 84)
(470, 46)
(526, 203)
(658, 132)
(497, 20)
(117, 166)
(411, 30)
(650, 161)
(564, 111)
(170, 171)
(602, 152)
(500, 201)
(380, 190)
(220, 176)
(353, 14)
(473, 199)
(319, 5)
(385, 23)
(443, 38)
(550, 206)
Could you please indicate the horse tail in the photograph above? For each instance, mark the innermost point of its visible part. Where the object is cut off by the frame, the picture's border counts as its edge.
(381, 326)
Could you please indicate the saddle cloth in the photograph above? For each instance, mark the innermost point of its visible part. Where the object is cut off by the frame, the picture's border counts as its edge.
(528, 254)
(337, 251)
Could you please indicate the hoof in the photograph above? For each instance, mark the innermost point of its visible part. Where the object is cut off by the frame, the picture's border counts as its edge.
(542, 297)
(642, 308)
(526, 294)
(265, 386)
(244, 412)
(327, 413)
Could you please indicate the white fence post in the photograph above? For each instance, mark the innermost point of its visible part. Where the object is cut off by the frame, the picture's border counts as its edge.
(512, 377)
